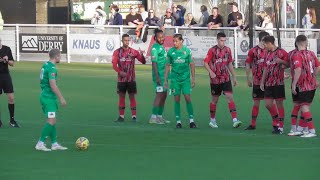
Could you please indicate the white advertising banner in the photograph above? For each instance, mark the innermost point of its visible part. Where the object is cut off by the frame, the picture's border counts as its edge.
(93, 44)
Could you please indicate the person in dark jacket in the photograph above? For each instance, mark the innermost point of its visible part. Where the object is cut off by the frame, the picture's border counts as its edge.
(178, 12)
(116, 17)
(152, 20)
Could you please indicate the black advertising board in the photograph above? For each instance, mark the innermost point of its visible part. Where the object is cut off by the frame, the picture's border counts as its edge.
(42, 43)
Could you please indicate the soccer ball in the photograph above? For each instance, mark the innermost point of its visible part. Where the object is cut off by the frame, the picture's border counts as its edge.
(82, 143)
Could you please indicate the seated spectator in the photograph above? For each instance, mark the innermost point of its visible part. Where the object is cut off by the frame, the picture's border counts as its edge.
(143, 12)
(99, 17)
(116, 17)
(135, 19)
(189, 22)
(152, 20)
(235, 16)
(203, 22)
(178, 12)
(215, 20)
(167, 20)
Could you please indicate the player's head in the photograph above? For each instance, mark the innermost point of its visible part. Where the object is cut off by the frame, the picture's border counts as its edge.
(221, 39)
(301, 42)
(178, 40)
(55, 55)
(125, 40)
(159, 36)
(268, 42)
(262, 35)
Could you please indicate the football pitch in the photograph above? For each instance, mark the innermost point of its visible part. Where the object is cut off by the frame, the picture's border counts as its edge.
(139, 151)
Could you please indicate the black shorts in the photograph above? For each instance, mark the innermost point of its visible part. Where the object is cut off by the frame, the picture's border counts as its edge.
(123, 87)
(305, 97)
(257, 93)
(216, 89)
(274, 92)
(6, 85)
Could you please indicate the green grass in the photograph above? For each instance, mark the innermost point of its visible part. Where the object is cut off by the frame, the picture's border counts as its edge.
(142, 151)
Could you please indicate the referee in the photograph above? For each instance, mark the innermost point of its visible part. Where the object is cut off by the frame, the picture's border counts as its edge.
(6, 86)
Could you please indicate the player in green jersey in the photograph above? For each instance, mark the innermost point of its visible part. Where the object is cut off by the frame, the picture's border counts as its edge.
(158, 58)
(49, 100)
(180, 59)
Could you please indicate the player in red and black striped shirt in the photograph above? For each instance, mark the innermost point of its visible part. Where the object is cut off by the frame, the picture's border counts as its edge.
(123, 61)
(304, 67)
(219, 63)
(255, 60)
(272, 82)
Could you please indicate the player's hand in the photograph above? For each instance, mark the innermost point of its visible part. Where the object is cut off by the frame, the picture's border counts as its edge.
(212, 74)
(317, 84)
(123, 74)
(5, 58)
(286, 75)
(293, 89)
(235, 81)
(63, 102)
(158, 81)
(165, 85)
(249, 82)
(193, 83)
(262, 87)
(279, 61)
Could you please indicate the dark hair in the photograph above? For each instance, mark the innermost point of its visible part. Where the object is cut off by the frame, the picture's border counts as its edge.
(269, 39)
(125, 35)
(203, 8)
(301, 38)
(215, 8)
(220, 35)
(53, 53)
(157, 31)
(179, 36)
(99, 7)
(115, 7)
(263, 34)
(141, 6)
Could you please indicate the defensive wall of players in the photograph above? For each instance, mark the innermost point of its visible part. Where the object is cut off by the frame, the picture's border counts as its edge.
(89, 43)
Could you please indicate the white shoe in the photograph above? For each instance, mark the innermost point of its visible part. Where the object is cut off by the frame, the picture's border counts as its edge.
(57, 146)
(309, 135)
(164, 120)
(237, 124)
(295, 133)
(156, 121)
(42, 147)
(213, 125)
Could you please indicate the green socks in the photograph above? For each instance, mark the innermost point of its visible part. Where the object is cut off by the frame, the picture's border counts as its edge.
(161, 109)
(155, 110)
(190, 109)
(48, 131)
(177, 110)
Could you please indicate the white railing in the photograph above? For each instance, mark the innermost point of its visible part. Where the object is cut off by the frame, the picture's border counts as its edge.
(75, 40)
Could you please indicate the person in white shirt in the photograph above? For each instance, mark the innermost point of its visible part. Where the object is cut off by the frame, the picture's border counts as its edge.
(143, 12)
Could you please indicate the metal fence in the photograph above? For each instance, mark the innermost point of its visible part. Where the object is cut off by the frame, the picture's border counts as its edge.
(90, 43)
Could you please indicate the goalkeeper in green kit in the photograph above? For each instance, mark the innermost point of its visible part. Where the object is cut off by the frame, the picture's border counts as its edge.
(180, 59)
(49, 100)
(159, 59)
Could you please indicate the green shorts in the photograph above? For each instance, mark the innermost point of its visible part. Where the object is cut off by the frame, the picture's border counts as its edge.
(177, 87)
(49, 107)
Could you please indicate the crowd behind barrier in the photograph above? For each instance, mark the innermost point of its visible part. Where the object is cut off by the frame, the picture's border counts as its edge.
(96, 43)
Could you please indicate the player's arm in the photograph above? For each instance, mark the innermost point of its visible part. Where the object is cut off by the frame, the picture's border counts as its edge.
(9, 58)
(206, 63)
(248, 67)
(297, 73)
(264, 75)
(284, 59)
(154, 59)
(231, 69)
(167, 70)
(54, 87)
(115, 60)
(141, 57)
(193, 71)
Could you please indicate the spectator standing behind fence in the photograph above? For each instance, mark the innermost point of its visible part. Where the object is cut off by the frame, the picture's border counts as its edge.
(178, 12)
(215, 20)
(268, 25)
(143, 12)
(261, 16)
(152, 20)
(189, 22)
(116, 17)
(235, 18)
(99, 17)
(204, 18)
(313, 17)
(167, 20)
